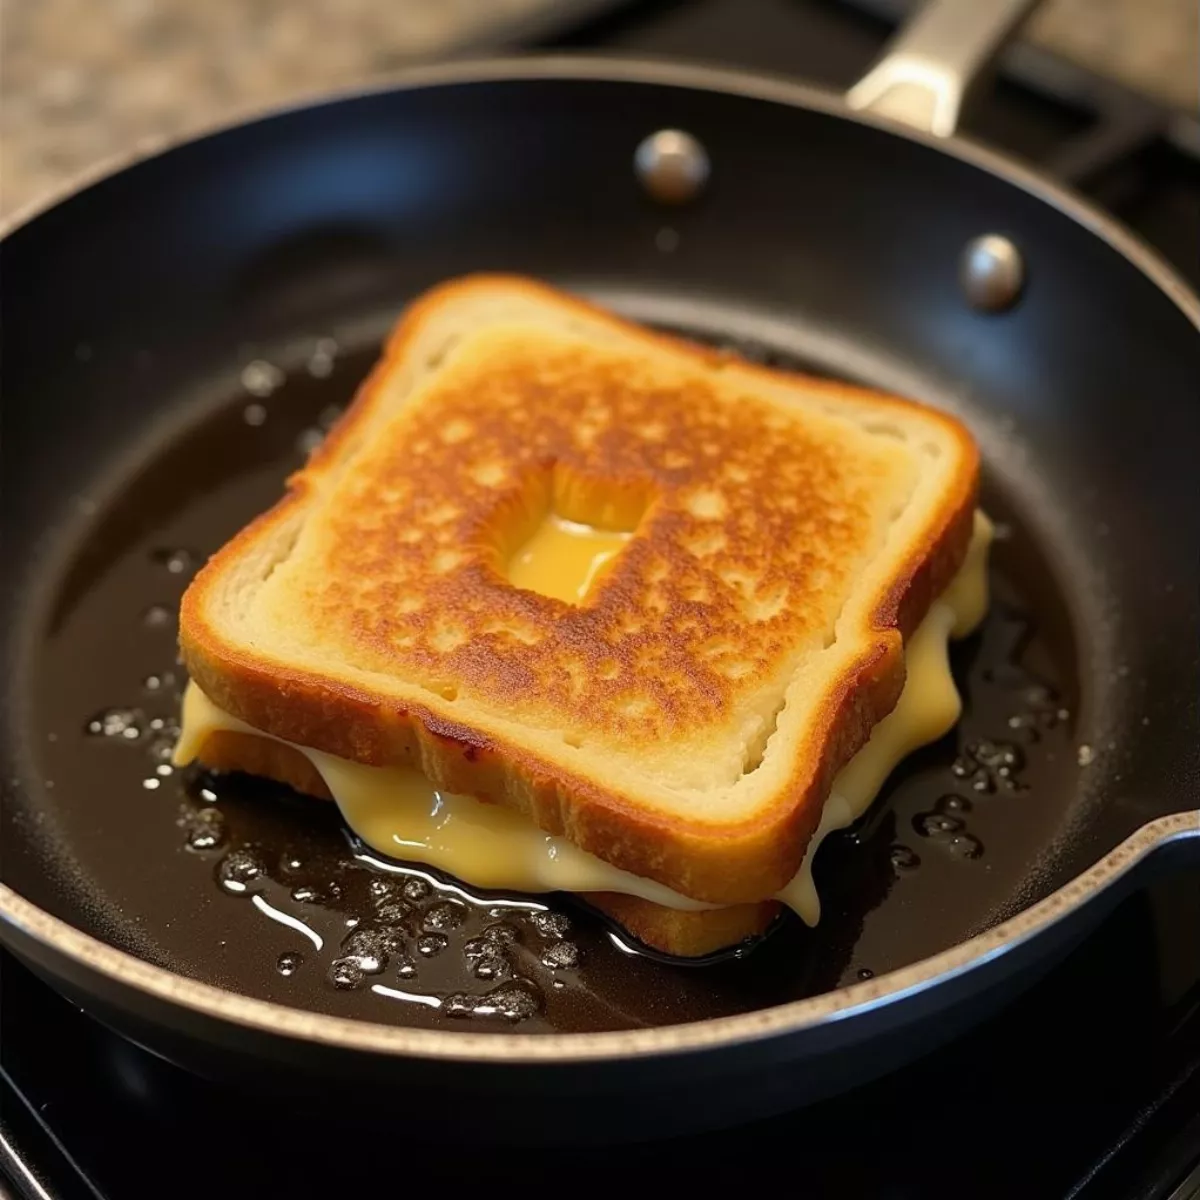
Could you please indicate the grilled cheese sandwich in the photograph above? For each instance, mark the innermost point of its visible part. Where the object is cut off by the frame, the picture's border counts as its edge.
(511, 839)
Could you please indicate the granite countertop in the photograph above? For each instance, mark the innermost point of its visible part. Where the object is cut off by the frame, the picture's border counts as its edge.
(82, 82)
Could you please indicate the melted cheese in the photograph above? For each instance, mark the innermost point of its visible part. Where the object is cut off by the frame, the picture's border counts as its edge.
(564, 559)
(928, 707)
(396, 810)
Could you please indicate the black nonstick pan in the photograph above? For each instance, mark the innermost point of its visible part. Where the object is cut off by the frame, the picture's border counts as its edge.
(177, 335)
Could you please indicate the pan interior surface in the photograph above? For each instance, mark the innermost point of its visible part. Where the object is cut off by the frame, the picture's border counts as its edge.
(223, 303)
(239, 882)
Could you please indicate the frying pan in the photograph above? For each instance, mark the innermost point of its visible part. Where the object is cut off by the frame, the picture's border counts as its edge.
(176, 333)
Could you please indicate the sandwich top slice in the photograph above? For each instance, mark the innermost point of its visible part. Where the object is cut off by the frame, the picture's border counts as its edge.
(634, 604)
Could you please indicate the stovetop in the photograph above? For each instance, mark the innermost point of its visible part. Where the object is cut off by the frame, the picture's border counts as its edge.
(1087, 1087)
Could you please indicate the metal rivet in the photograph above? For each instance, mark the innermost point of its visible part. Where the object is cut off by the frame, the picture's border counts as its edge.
(992, 273)
(672, 166)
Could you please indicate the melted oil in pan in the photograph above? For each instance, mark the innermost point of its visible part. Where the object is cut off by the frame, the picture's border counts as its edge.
(244, 884)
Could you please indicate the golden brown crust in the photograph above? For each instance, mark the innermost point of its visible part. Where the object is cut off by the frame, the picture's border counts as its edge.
(728, 863)
(744, 552)
(687, 934)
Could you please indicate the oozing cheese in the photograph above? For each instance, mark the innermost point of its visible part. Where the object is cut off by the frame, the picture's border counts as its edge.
(397, 811)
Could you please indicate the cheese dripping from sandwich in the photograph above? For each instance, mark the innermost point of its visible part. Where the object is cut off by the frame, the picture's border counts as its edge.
(397, 812)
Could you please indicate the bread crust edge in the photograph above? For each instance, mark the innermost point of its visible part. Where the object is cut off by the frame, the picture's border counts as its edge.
(728, 864)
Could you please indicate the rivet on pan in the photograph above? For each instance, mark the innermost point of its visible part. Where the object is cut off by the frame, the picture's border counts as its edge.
(992, 273)
(672, 166)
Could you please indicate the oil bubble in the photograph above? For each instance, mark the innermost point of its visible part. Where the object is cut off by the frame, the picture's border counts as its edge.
(516, 1001)
(486, 958)
(367, 949)
(458, 1004)
(158, 616)
(429, 944)
(996, 755)
(393, 912)
(261, 378)
(385, 895)
(974, 776)
(237, 870)
(123, 723)
(204, 829)
(963, 845)
(416, 889)
(550, 924)
(307, 893)
(935, 824)
(1027, 726)
(446, 914)
(948, 830)
(160, 748)
(561, 956)
(176, 561)
(289, 963)
(345, 974)
(501, 932)
(988, 765)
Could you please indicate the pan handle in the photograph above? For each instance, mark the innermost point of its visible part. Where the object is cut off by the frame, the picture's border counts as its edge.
(928, 68)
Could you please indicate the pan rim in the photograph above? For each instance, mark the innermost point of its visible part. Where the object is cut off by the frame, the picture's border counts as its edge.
(648, 72)
(263, 1016)
(561, 1049)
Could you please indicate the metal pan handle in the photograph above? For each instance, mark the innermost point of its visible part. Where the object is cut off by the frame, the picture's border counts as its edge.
(928, 68)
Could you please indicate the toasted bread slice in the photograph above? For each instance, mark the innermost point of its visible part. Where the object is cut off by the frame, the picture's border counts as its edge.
(684, 934)
(684, 722)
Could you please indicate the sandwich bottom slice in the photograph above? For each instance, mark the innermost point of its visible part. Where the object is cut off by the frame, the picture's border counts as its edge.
(398, 813)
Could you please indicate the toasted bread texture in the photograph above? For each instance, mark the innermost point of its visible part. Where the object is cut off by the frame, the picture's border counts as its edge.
(685, 720)
(684, 934)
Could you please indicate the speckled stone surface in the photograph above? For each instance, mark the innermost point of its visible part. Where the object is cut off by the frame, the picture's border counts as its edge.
(84, 81)
(1150, 45)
